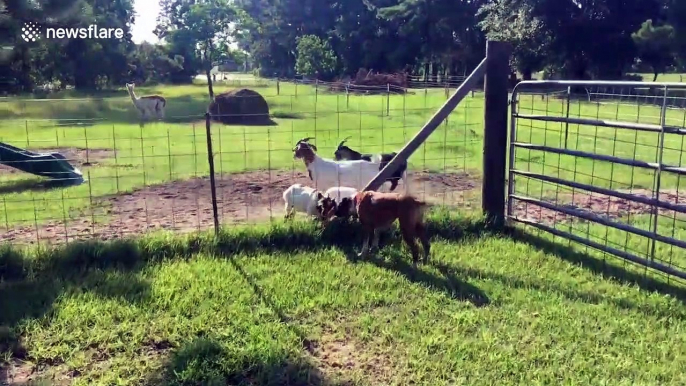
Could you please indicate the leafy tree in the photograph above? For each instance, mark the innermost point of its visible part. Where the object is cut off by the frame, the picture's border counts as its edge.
(202, 27)
(513, 21)
(655, 46)
(315, 57)
(675, 11)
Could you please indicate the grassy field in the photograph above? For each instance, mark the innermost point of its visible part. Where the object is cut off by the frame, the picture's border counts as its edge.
(176, 149)
(248, 308)
(664, 77)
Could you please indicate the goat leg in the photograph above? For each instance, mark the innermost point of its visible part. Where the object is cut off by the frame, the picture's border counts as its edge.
(408, 236)
(365, 246)
(421, 233)
(375, 242)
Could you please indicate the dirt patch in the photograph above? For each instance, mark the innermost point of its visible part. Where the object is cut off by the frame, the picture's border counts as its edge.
(344, 357)
(601, 205)
(17, 373)
(187, 205)
(78, 157)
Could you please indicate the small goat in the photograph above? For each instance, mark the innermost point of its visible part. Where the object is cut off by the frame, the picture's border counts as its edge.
(378, 211)
(327, 173)
(345, 153)
(300, 198)
(328, 205)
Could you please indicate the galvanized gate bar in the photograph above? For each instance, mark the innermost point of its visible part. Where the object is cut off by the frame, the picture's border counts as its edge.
(433, 123)
(617, 252)
(603, 123)
(608, 192)
(617, 95)
(600, 220)
(602, 157)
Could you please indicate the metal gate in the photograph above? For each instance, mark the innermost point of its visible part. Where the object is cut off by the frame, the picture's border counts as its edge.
(602, 164)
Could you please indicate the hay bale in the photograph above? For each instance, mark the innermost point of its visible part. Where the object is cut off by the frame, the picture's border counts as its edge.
(240, 106)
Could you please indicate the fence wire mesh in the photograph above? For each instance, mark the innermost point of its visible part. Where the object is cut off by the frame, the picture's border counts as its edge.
(603, 165)
(138, 177)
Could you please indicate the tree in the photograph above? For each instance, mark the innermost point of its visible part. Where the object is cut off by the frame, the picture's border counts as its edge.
(202, 26)
(513, 21)
(315, 57)
(655, 46)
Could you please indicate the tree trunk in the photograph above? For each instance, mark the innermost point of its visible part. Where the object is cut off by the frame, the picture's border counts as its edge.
(209, 84)
(527, 74)
(655, 73)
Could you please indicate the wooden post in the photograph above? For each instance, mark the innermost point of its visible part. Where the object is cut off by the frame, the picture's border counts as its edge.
(388, 99)
(210, 161)
(278, 88)
(495, 131)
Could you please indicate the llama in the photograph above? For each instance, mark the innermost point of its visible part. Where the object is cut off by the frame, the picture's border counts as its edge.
(149, 105)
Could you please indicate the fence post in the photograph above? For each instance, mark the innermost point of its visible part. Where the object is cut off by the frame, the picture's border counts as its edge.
(210, 160)
(278, 88)
(388, 99)
(495, 131)
(347, 96)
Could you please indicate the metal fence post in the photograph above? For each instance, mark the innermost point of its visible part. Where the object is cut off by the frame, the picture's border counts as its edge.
(210, 161)
(495, 131)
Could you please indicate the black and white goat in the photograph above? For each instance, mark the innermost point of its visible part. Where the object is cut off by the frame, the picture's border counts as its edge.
(327, 173)
(345, 153)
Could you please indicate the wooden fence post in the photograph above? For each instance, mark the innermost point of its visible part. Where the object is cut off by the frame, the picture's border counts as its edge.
(210, 161)
(495, 131)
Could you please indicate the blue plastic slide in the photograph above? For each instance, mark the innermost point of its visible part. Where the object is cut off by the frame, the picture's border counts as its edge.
(52, 165)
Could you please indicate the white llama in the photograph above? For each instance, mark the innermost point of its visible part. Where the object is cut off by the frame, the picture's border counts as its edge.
(149, 105)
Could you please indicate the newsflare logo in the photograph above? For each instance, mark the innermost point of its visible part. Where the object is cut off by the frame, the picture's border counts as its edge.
(30, 32)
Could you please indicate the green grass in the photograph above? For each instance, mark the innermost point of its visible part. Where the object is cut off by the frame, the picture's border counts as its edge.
(177, 148)
(286, 304)
(672, 77)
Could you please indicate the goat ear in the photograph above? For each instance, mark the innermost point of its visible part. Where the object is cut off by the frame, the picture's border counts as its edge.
(313, 146)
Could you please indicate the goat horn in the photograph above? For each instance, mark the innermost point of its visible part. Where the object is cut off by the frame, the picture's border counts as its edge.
(343, 141)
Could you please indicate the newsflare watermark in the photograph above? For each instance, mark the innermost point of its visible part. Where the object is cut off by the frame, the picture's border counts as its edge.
(32, 32)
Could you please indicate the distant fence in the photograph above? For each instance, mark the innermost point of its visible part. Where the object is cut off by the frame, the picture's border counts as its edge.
(606, 174)
(159, 175)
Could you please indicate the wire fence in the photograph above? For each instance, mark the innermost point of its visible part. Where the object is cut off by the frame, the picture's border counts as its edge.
(606, 172)
(111, 175)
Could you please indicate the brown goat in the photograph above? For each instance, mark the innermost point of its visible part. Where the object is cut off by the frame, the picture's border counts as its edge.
(378, 211)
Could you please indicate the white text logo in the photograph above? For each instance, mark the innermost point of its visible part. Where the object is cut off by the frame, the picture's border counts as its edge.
(31, 31)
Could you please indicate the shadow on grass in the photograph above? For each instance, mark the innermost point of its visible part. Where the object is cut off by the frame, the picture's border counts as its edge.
(204, 361)
(597, 266)
(35, 185)
(110, 269)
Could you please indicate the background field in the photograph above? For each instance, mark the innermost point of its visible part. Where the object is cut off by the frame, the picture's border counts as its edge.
(118, 156)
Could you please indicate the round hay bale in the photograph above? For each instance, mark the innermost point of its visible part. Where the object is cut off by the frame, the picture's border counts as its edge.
(240, 106)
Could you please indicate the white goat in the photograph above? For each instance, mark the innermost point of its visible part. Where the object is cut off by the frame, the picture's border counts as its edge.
(300, 198)
(340, 192)
(327, 173)
(149, 105)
